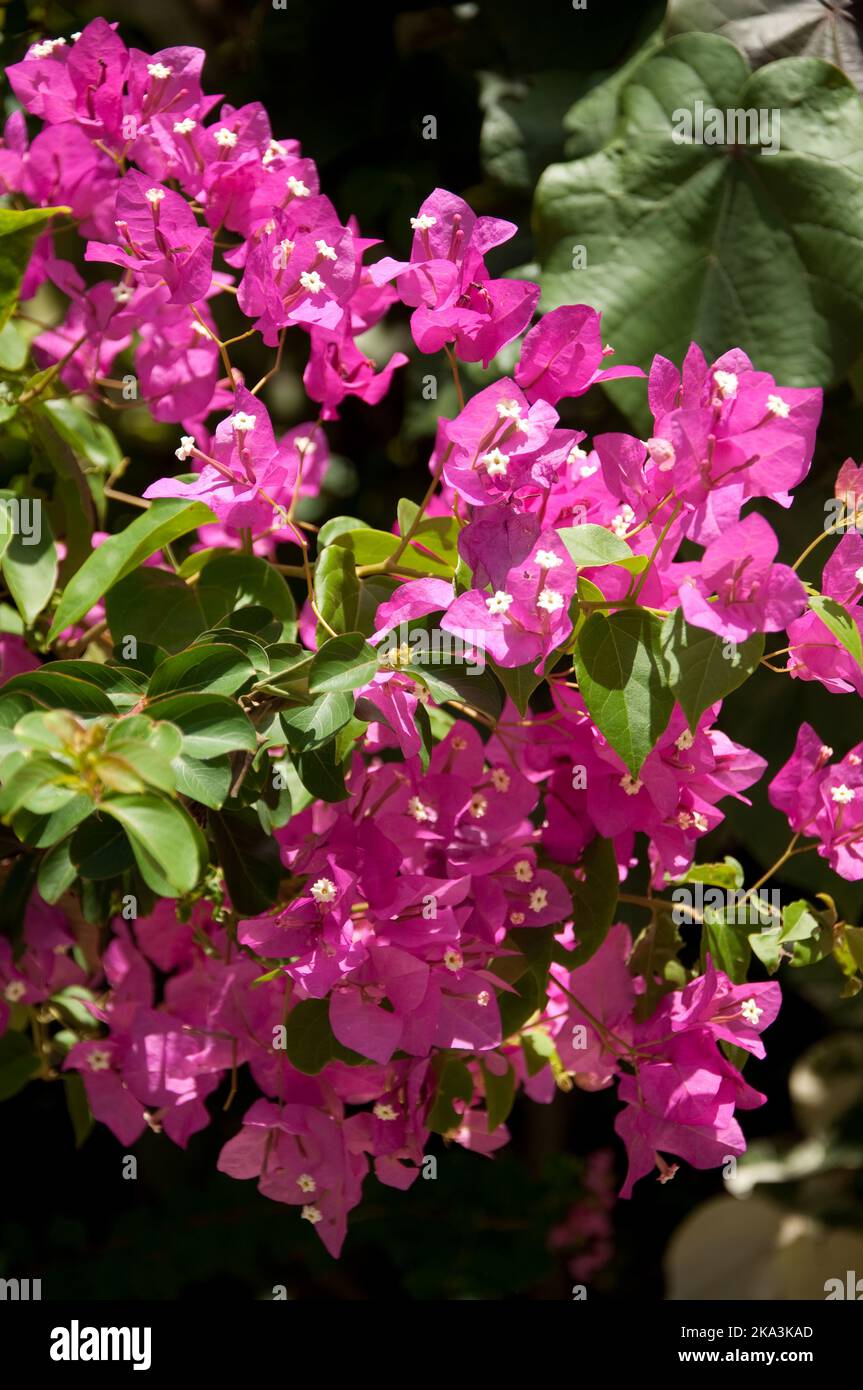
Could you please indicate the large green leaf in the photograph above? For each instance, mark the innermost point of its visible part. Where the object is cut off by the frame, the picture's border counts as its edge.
(162, 523)
(168, 846)
(768, 29)
(343, 663)
(337, 589)
(244, 581)
(250, 859)
(594, 899)
(702, 667)
(18, 233)
(623, 682)
(60, 690)
(156, 608)
(719, 244)
(210, 724)
(30, 570)
(212, 667)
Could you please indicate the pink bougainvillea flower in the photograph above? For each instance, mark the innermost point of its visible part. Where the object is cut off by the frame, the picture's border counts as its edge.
(160, 240)
(752, 594)
(563, 355)
(448, 286)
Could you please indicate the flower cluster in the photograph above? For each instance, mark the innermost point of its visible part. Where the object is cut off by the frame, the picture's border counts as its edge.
(438, 936)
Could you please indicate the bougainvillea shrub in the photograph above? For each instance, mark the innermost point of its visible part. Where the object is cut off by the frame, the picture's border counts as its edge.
(354, 808)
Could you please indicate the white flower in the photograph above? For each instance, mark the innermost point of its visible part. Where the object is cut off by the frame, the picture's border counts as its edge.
(499, 602)
(159, 71)
(509, 410)
(576, 452)
(97, 1060)
(587, 470)
(547, 559)
(242, 423)
(323, 890)
(478, 805)
(121, 294)
(550, 601)
(312, 1214)
(483, 998)
(699, 821)
(621, 523)
(15, 990)
(384, 1111)
(500, 779)
(825, 752)
(842, 794)
(423, 222)
(311, 281)
(154, 196)
(495, 462)
(662, 453)
(523, 870)
(684, 820)
(777, 406)
(858, 575)
(538, 899)
(185, 127)
(750, 1011)
(516, 918)
(224, 138)
(297, 187)
(453, 959)
(187, 444)
(421, 812)
(273, 151)
(684, 740)
(304, 445)
(324, 249)
(631, 785)
(306, 1183)
(726, 384)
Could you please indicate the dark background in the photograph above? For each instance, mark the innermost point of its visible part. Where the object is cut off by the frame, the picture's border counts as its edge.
(354, 83)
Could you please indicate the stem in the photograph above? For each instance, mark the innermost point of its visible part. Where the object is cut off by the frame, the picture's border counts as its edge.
(675, 513)
(455, 375)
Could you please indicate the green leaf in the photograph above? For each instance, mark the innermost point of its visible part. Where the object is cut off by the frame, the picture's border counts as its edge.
(840, 622)
(721, 243)
(343, 664)
(167, 844)
(210, 724)
(337, 590)
(655, 958)
(728, 874)
(155, 607)
(499, 1094)
(18, 234)
(594, 899)
(308, 726)
(623, 681)
(237, 582)
(17, 1062)
(590, 546)
(30, 570)
(250, 859)
(164, 521)
(703, 668)
(779, 29)
(310, 1042)
(100, 848)
(59, 690)
(730, 947)
(454, 1083)
(320, 771)
(79, 1108)
(205, 782)
(57, 871)
(211, 668)
(519, 682)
